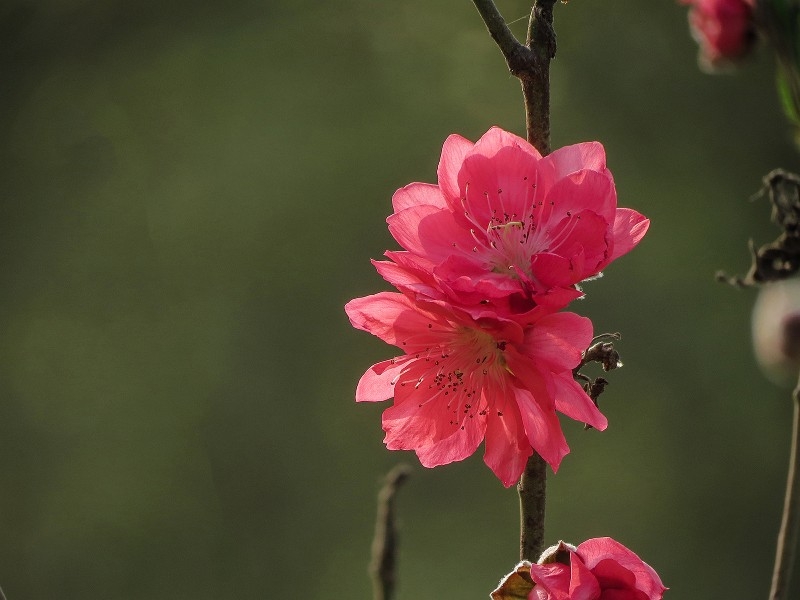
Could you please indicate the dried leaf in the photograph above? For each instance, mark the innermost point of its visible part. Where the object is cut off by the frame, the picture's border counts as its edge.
(516, 585)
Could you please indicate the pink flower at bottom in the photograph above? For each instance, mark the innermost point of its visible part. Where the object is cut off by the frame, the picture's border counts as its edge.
(724, 30)
(465, 378)
(598, 569)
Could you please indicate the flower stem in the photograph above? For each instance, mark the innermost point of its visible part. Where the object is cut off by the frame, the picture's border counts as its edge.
(787, 537)
(530, 62)
(532, 490)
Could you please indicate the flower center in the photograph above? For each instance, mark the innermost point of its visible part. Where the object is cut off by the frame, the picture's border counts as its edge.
(467, 374)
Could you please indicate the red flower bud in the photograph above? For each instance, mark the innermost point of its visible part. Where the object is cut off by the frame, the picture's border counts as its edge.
(597, 569)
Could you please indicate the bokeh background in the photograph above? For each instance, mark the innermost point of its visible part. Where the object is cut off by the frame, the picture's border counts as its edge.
(191, 191)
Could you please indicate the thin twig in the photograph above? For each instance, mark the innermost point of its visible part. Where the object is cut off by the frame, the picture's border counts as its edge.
(2, 595)
(497, 27)
(382, 567)
(787, 537)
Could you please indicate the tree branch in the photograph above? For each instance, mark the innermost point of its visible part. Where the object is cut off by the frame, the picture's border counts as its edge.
(787, 537)
(532, 489)
(497, 27)
(530, 63)
(536, 79)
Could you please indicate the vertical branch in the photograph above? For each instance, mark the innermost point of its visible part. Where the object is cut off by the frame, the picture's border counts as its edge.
(541, 42)
(532, 490)
(530, 62)
(384, 544)
(787, 537)
(536, 80)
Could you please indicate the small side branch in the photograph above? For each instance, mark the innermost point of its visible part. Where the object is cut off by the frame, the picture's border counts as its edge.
(779, 259)
(497, 27)
(382, 566)
(600, 352)
(787, 537)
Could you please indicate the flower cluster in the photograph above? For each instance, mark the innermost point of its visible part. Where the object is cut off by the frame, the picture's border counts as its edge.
(724, 30)
(490, 255)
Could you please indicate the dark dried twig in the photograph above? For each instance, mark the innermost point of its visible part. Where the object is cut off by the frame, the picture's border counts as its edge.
(603, 353)
(382, 566)
(781, 258)
(600, 352)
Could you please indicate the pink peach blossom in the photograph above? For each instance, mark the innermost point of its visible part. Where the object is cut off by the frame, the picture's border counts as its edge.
(598, 569)
(510, 229)
(463, 378)
(724, 30)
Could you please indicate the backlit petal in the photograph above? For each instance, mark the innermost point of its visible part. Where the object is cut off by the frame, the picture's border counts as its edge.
(376, 384)
(647, 580)
(453, 152)
(629, 229)
(558, 340)
(418, 194)
(507, 446)
(573, 401)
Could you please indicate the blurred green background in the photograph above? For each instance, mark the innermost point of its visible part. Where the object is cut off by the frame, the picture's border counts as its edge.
(190, 193)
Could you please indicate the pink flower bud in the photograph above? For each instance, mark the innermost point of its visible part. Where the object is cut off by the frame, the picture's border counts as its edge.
(597, 569)
(724, 29)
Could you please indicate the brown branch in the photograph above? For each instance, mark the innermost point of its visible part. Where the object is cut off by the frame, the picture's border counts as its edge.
(787, 537)
(532, 489)
(382, 566)
(536, 78)
(529, 62)
(497, 27)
